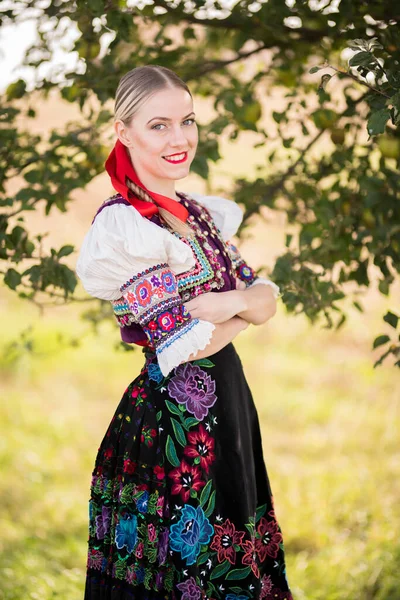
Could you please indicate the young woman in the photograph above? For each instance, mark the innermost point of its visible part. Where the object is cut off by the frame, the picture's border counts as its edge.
(180, 502)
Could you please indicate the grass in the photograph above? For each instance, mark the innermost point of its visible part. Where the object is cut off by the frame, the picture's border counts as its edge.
(330, 427)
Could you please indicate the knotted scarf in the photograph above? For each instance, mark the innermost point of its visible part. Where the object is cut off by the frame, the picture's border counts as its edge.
(119, 166)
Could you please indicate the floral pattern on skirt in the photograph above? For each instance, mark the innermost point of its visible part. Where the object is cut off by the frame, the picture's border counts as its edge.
(180, 505)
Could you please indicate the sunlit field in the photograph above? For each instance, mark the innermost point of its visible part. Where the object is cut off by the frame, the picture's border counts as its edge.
(330, 426)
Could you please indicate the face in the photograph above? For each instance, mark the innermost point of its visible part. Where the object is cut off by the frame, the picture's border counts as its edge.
(162, 137)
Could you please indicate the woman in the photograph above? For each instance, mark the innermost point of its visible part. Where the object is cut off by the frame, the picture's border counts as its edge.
(180, 504)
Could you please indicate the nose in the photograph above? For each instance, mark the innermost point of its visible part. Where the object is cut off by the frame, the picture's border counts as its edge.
(178, 138)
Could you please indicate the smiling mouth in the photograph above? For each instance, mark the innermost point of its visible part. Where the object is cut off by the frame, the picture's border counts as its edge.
(176, 158)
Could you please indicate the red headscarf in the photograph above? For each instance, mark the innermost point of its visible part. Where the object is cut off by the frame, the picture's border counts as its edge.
(119, 166)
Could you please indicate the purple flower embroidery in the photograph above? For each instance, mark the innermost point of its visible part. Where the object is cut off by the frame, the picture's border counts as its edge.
(190, 589)
(103, 522)
(163, 545)
(193, 387)
(159, 580)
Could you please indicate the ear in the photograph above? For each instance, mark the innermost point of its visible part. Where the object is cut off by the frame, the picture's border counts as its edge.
(122, 133)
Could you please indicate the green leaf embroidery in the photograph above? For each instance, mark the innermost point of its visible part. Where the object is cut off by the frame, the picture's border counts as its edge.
(220, 569)
(260, 512)
(171, 452)
(204, 362)
(203, 558)
(172, 408)
(205, 493)
(239, 573)
(179, 433)
(189, 422)
(210, 508)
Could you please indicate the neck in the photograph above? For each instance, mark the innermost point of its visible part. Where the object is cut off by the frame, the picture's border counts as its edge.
(164, 187)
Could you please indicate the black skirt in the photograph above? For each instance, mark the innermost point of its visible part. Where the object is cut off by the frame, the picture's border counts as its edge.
(180, 503)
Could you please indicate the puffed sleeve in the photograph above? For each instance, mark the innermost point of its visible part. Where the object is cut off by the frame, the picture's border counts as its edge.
(227, 216)
(132, 262)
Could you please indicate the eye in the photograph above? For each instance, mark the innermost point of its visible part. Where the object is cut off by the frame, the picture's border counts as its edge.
(162, 124)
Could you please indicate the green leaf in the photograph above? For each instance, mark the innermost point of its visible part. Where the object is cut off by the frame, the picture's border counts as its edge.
(239, 573)
(377, 121)
(202, 558)
(204, 362)
(16, 90)
(171, 452)
(391, 318)
(189, 422)
(211, 505)
(260, 512)
(178, 431)
(220, 569)
(380, 340)
(65, 250)
(314, 69)
(173, 408)
(12, 278)
(361, 58)
(205, 492)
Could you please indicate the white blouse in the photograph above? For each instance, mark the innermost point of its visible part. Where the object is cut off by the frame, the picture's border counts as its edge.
(113, 264)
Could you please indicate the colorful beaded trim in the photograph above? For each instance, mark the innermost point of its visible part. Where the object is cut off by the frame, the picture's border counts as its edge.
(151, 299)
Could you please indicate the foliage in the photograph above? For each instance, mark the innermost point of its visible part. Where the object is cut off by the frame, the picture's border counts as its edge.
(343, 200)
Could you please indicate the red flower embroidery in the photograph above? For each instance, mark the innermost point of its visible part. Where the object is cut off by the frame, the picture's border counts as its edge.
(159, 472)
(138, 391)
(250, 556)
(108, 453)
(186, 478)
(201, 445)
(143, 293)
(268, 539)
(129, 466)
(225, 539)
(166, 321)
(266, 586)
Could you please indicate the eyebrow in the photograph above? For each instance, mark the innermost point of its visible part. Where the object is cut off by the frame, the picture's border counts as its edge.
(168, 119)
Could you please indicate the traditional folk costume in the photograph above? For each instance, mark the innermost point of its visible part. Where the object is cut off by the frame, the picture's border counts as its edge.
(180, 502)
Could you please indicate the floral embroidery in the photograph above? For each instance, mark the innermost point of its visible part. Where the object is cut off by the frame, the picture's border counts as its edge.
(162, 510)
(190, 589)
(194, 388)
(242, 270)
(192, 530)
(151, 299)
(227, 541)
(126, 532)
(186, 479)
(266, 586)
(200, 447)
(103, 522)
(268, 539)
(250, 556)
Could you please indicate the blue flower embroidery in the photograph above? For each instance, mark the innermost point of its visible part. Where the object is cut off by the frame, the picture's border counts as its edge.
(142, 502)
(140, 575)
(126, 532)
(154, 372)
(192, 530)
(235, 597)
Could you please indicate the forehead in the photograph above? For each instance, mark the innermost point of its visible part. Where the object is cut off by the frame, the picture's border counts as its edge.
(173, 103)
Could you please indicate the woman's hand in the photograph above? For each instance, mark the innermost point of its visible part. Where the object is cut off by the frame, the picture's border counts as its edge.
(217, 307)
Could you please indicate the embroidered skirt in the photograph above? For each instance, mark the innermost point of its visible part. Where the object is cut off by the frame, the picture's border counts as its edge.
(180, 502)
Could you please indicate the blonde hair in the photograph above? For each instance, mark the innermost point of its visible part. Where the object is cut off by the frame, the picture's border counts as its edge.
(134, 88)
